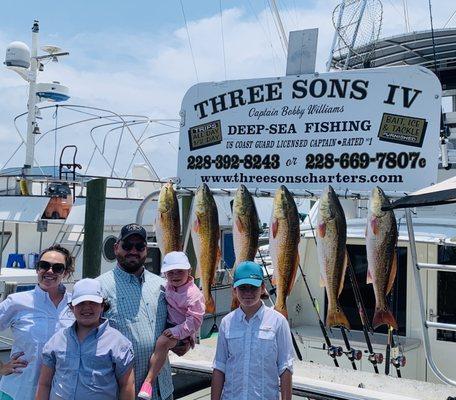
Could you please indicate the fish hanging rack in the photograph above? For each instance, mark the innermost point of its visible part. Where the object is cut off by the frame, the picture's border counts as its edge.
(305, 194)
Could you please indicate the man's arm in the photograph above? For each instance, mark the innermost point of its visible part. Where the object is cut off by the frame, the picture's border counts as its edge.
(286, 385)
(127, 385)
(218, 380)
(44, 383)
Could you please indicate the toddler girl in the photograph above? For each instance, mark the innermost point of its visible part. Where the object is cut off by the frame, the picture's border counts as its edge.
(185, 314)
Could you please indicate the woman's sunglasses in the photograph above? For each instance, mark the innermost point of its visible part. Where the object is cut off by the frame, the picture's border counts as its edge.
(57, 268)
(127, 246)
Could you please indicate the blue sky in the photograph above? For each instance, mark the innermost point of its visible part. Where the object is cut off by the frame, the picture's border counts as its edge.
(134, 57)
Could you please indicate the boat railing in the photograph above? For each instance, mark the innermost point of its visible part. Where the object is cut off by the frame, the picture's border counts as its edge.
(119, 188)
(425, 323)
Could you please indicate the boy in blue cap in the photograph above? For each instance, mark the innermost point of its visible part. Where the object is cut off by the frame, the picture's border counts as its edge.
(254, 347)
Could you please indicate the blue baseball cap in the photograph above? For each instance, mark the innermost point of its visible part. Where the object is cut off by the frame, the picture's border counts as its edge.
(248, 273)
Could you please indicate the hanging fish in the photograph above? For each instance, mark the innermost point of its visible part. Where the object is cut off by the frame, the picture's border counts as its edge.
(331, 247)
(167, 221)
(283, 245)
(246, 230)
(381, 242)
(205, 238)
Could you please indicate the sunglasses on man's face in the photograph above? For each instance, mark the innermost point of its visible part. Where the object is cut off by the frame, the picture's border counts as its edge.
(57, 268)
(139, 246)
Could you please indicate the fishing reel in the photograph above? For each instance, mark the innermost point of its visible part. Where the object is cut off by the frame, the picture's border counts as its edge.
(335, 351)
(376, 358)
(399, 361)
(354, 354)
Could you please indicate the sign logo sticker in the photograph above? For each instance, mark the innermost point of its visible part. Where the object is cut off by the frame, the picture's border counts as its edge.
(401, 129)
(205, 135)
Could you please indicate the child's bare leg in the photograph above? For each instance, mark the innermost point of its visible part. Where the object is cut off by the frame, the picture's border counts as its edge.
(158, 358)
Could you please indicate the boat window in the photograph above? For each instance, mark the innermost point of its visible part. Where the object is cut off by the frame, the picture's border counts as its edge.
(396, 299)
(446, 293)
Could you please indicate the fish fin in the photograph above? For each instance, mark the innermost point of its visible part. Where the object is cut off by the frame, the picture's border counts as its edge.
(282, 309)
(210, 305)
(196, 225)
(217, 262)
(275, 227)
(240, 225)
(321, 230)
(374, 225)
(274, 280)
(293, 276)
(392, 276)
(336, 317)
(383, 317)
(322, 281)
(344, 270)
(369, 279)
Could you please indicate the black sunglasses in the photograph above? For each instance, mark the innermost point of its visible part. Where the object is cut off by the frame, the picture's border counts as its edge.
(127, 246)
(57, 268)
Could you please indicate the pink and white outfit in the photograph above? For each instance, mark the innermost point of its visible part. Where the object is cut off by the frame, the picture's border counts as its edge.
(185, 308)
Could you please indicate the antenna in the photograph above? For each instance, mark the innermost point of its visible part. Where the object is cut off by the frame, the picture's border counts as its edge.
(357, 25)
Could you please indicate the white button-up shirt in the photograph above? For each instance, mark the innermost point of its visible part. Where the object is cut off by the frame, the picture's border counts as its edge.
(253, 354)
(33, 319)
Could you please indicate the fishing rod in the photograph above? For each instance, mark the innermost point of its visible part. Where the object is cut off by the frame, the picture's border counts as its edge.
(351, 353)
(388, 350)
(273, 291)
(333, 351)
(399, 359)
(374, 358)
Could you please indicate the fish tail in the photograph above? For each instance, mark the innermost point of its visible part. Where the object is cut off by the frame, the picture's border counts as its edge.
(336, 317)
(384, 317)
(282, 309)
(210, 305)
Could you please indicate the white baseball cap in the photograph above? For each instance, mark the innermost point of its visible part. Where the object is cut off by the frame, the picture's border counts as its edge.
(87, 290)
(175, 260)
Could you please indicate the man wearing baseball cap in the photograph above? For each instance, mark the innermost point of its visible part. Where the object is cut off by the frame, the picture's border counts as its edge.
(254, 347)
(138, 306)
(90, 359)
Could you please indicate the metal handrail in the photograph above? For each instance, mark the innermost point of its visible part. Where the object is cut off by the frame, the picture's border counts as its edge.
(424, 323)
(437, 267)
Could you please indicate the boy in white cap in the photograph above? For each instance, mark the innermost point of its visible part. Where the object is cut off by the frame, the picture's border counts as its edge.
(185, 313)
(90, 359)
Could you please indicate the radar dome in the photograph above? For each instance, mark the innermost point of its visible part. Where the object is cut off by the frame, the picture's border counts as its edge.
(17, 55)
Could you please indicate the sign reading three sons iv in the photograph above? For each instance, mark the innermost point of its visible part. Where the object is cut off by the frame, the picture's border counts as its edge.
(353, 130)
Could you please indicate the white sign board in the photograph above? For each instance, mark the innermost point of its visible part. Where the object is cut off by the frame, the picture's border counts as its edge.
(353, 130)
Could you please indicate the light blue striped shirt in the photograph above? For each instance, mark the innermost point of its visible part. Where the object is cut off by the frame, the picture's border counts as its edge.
(138, 310)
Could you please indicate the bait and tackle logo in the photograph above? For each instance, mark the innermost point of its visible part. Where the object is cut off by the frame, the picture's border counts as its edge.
(205, 135)
(403, 130)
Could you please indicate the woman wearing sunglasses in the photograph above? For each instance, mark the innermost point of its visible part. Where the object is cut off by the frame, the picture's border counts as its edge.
(34, 316)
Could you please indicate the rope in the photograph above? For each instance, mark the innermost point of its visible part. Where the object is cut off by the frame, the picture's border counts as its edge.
(189, 41)
(449, 19)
